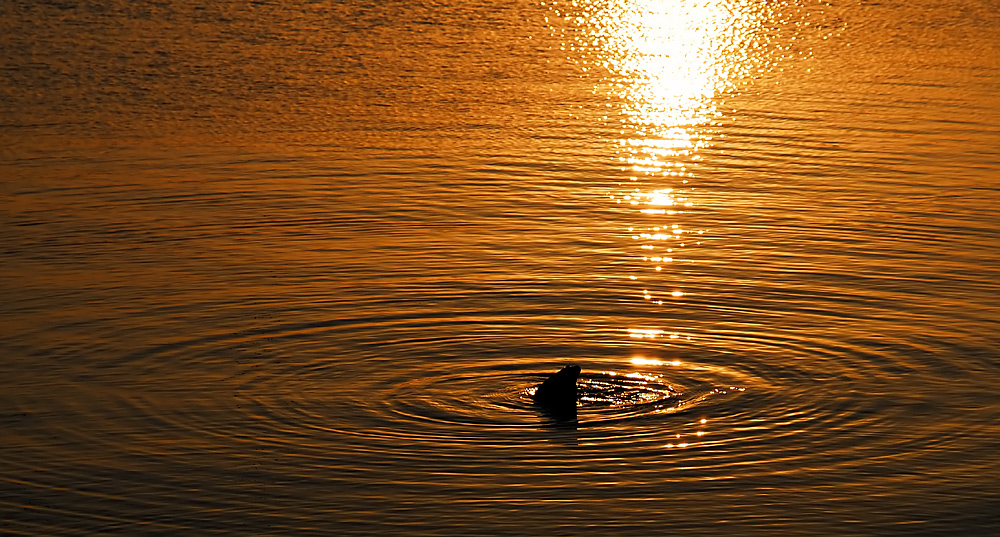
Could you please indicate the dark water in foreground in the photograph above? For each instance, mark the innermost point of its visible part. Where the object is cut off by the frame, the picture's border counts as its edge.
(288, 268)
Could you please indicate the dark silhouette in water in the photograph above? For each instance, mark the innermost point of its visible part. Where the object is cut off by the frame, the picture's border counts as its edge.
(557, 395)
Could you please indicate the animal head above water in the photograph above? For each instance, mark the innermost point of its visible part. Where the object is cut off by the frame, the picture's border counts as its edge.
(559, 390)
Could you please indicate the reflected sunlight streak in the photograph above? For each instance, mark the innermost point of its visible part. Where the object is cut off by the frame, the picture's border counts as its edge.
(667, 65)
(668, 61)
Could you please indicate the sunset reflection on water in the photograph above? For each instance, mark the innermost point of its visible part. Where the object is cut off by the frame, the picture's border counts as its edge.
(668, 67)
(668, 61)
(293, 268)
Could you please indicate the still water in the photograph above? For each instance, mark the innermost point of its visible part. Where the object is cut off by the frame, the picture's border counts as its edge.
(289, 268)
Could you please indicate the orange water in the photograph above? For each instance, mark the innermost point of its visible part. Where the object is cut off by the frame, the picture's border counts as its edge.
(289, 269)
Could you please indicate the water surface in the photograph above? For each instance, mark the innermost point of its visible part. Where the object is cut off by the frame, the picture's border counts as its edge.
(288, 269)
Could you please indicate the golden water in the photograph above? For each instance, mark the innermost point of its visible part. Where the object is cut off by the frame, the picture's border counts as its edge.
(287, 268)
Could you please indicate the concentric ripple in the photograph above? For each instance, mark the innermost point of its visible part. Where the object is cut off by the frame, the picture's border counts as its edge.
(503, 398)
(292, 268)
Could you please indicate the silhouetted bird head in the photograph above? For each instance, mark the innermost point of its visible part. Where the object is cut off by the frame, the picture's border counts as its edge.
(559, 390)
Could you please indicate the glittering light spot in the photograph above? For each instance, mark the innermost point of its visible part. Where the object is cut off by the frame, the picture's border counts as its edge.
(643, 333)
(638, 360)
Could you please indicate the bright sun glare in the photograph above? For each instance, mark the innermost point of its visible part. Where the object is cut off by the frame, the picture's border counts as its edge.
(668, 61)
(667, 65)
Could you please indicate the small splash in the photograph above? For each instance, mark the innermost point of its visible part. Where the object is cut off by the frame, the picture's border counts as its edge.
(613, 390)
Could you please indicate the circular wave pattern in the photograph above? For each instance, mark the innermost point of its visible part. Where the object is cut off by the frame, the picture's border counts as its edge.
(340, 337)
(472, 396)
(406, 407)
